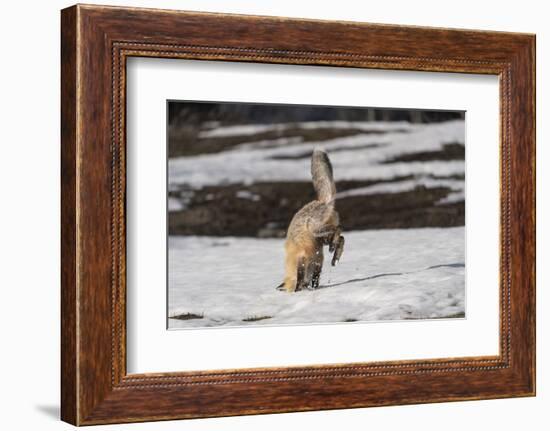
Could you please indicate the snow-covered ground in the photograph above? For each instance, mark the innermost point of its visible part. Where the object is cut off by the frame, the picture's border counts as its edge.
(383, 275)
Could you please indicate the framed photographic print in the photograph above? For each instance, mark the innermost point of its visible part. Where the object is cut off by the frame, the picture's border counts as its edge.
(322, 214)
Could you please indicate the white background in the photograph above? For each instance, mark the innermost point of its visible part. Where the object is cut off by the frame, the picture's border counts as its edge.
(151, 348)
(29, 224)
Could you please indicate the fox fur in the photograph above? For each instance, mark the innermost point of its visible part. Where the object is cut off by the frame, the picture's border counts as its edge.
(315, 225)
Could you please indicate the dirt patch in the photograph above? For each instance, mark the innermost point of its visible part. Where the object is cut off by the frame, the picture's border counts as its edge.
(264, 210)
(187, 316)
(451, 151)
(307, 154)
(459, 315)
(185, 140)
(256, 318)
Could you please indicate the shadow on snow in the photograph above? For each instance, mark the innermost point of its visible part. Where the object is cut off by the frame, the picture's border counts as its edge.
(391, 274)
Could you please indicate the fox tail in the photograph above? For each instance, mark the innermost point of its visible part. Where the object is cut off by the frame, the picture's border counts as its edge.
(323, 181)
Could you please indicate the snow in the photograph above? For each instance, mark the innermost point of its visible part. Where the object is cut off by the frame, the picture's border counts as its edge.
(181, 202)
(175, 204)
(245, 194)
(383, 275)
(452, 198)
(252, 129)
(403, 186)
(362, 156)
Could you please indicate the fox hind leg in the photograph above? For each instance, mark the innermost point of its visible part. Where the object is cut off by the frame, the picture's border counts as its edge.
(316, 277)
(291, 269)
(335, 238)
(301, 275)
(338, 250)
(295, 273)
(316, 266)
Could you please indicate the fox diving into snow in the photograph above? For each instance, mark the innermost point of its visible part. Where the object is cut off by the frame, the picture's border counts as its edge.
(315, 225)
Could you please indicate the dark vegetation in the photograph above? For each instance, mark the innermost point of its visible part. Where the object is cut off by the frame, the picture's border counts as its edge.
(194, 113)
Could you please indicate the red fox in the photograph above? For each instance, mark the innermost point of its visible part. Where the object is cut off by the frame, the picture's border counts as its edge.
(315, 225)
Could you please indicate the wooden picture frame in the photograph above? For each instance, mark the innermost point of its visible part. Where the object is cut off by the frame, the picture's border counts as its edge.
(95, 43)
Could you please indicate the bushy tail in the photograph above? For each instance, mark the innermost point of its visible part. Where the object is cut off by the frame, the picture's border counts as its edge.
(321, 172)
